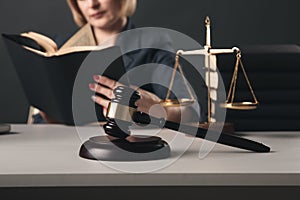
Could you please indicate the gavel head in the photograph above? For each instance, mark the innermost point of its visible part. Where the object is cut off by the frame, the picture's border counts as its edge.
(121, 146)
(120, 112)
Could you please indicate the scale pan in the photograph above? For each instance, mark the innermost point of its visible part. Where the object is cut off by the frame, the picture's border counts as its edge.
(241, 105)
(176, 102)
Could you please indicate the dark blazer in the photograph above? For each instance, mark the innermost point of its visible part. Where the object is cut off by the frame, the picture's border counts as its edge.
(151, 50)
(148, 50)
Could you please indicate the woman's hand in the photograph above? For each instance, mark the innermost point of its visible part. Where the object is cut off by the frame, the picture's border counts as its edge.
(105, 86)
(148, 103)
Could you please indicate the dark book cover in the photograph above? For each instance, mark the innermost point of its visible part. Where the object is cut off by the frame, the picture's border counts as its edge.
(58, 85)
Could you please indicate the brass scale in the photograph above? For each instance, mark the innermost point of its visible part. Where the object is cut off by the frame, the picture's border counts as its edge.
(207, 52)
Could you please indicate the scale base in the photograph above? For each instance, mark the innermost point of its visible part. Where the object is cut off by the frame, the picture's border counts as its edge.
(133, 148)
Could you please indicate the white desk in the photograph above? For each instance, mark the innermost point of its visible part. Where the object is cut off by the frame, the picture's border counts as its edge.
(47, 155)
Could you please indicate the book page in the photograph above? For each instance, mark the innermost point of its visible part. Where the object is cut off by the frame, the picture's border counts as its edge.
(48, 44)
(84, 37)
(41, 53)
(67, 50)
(83, 40)
(76, 49)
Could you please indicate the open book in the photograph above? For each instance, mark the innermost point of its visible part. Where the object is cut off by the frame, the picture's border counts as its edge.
(83, 40)
(50, 76)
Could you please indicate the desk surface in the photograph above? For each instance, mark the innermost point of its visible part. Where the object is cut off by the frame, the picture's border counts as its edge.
(47, 155)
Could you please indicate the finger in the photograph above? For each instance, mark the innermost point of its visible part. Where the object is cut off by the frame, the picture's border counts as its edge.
(102, 90)
(106, 81)
(134, 87)
(101, 101)
(104, 111)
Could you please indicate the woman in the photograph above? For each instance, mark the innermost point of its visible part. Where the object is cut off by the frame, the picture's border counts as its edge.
(108, 18)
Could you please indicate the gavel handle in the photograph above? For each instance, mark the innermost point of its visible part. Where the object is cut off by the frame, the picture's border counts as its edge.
(224, 138)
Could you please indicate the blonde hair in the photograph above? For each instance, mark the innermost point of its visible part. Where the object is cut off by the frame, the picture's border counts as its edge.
(127, 8)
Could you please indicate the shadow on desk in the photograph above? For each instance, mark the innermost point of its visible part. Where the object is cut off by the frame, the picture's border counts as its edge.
(9, 133)
(273, 134)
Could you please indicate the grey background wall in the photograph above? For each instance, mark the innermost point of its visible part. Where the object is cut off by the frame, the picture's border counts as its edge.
(234, 22)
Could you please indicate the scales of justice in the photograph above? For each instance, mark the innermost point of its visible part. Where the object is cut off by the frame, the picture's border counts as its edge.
(120, 145)
(211, 67)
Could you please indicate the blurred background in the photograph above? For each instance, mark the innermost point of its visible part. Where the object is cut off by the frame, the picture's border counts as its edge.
(234, 23)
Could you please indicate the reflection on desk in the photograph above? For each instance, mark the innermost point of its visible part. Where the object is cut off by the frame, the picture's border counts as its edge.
(47, 155)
